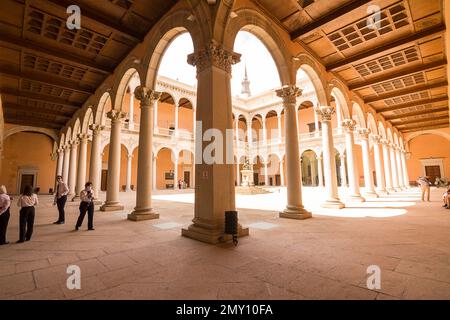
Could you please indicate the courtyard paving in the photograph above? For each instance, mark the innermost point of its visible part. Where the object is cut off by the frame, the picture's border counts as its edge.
(325, 257)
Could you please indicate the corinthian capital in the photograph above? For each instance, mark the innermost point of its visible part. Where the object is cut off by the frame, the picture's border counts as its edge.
(349, 124)
(213, 55)
(96, 129)
(83, 136)
(289, 94)
(364, 133)
(146, 95)
(325, 112)
(116, 115)
(375, 138)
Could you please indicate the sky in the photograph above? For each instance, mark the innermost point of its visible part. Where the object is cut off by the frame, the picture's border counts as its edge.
(261, 68)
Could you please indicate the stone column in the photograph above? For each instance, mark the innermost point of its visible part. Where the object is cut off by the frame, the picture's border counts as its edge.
(153, 173)
(405, 168)
(329, 161)
(175, 172)
(279, 126)
(129, 164)
(236, 130)
(342, 169)
(238, 174)
(316, 124)
(266, 174)
(82, 161)
(131, 123)
(112, 193)
(368, 178)
(66, 163)
(214, 190)
(348, 126)
(320, 169)
(401, 180)
(73, 167)
(249, 132)
(394, 171)
(59, 168)
(387, 165)
(264, 131)
(282, 181)
(155, 116)
(144, 211)
(95, 165)
(379, 167)
(294, 208)
(177, 109)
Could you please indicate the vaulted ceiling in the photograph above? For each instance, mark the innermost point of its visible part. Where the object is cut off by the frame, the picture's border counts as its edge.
(47, 71)
(398, 67)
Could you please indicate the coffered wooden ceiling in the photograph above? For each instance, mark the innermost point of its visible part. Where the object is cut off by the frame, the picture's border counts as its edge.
(399, 68)
(47, 71)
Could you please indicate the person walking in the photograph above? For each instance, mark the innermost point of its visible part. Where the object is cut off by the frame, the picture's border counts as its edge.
(86, 205)
(5, 203)
(27, 201)
(60, 199)
(424, 184)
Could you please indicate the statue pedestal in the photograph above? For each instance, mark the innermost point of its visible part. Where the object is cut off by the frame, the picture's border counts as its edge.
(247, 185)
(247, 180)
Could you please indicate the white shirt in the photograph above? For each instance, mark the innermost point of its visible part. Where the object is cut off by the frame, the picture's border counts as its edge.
(28, 201)
(5, 203)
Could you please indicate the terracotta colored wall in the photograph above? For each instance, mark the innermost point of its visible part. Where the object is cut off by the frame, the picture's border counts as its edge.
(305, 116)
(271, 126)
(19, 153)
(425, 147)
(163, 164)
(357, 150)
(166, 115)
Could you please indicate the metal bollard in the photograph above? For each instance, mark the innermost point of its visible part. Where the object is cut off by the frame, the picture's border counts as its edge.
(231, 225)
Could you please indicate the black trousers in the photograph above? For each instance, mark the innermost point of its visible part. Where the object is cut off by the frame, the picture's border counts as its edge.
(61, 203)
(26, 223)
(89, 208)
(4, 219)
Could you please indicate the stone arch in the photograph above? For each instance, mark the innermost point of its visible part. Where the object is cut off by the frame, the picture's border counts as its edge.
(48, 132)
(358, 115)
(88, 119)
(341, 100)
(312, 70)
(382, 130)
(76, 128)
(68, 135)
(389, 134)
(127, 72)
(371, 123)
(99, 110)
(255, 23)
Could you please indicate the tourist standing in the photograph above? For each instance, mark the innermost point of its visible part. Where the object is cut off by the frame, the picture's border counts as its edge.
(5, 203)
(60, 199)
(86, 205)
(27, 201)
(424, 184)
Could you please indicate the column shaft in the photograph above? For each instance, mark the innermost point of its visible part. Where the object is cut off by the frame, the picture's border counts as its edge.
(73, 167)
(353, 172)
(82, 160)
(405, 169)
(66, 164)
(95, 161)
(394, 171)
(387, 166)
(379, 166)
(129, 165)
(368, 178)
(320, 169)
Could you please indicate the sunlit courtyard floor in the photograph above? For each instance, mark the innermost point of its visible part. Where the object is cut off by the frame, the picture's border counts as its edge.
(325, 257)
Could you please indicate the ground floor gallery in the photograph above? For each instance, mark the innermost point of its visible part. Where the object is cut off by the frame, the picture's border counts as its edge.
(325, 257)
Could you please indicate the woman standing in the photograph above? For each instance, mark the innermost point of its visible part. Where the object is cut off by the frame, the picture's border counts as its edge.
(86, 205)
(5, 202)
(26, 202)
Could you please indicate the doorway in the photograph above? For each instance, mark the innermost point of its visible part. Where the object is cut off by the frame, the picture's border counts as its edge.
(187, 178)
(26, 180)
(433, 172)
(104, 181)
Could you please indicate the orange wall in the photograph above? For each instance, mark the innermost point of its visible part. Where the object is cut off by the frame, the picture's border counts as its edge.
(163, 164)
(305, 116)
(19, 153)
(425, 147)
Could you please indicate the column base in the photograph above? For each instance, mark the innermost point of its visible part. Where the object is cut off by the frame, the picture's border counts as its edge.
(333, 204)
(211, 236)
(355, 198)
(76, 198)
(371, 194)
(382, 192)
(115, 206)
(298, 213)
(97, 202)
(143, 214)
(390, 190)
(397, 189)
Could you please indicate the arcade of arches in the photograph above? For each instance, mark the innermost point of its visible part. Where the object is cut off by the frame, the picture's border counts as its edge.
(357, 117)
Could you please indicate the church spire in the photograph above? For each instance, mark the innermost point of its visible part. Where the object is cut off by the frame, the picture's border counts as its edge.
(246, 85)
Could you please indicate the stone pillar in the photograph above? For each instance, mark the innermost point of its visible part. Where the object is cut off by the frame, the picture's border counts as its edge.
(155, 116)
(405, 168)
(343, 172)
(316, 124)
(282, 181)
(401, 180)
(66, 163)
(95, 165)
(320, 169)
(144, 211)
(348, 126)
(238, 174)
(236, 130)
(266, 174)
(294, 208)
(153, 173)
(175, 172)
(214, 190)
(387, 165)
(73, 167)
(393, 167)
(177, 109)
(279, 126)
(264, 131)
(131, 123)
(249, 132)
(59, 168)
(82, 161)
(379, 167)
(368, 178)
(329, 161)
(112, 193)
(129, 164)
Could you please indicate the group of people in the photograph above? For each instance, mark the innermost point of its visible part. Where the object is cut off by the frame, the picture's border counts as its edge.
(27, 202)
(424, 184)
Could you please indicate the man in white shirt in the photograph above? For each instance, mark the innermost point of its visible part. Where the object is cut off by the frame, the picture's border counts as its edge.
(60, 198)
(424, 184)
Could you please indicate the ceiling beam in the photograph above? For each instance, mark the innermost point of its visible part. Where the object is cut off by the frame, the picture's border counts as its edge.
(21, 107)
(403, 123)
(444, 125)
(67, 56)
(33, 122)
(437, 123)
(39, 97)
(107, 22)
(416, 113)
(316, 24)
(46, 79)
(412, 104)
(397, 74)
(409, 90)
(391, 45)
